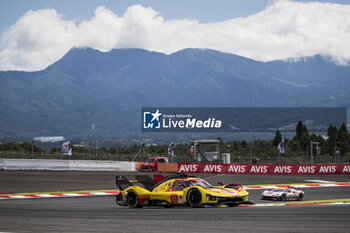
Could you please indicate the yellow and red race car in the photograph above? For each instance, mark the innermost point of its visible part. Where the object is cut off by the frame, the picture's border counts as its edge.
(178, 189)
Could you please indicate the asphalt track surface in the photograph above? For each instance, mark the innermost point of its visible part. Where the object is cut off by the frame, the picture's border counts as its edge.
(100, 214)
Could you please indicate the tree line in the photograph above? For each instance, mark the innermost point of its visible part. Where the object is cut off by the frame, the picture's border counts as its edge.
(336, 141)
(297, 149)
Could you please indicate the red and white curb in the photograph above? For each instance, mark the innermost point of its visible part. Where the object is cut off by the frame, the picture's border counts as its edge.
(84, 194)
(297, 186)
(78, 194)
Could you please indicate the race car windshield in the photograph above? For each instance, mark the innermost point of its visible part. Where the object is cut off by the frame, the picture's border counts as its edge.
(150, 161)
(201, 183)
(277, 190)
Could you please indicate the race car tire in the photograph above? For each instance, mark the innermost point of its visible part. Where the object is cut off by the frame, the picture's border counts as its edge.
(301, 196)
(232, 204)
(119, 200)
(132, 199)
(194, 198)
(283, 197)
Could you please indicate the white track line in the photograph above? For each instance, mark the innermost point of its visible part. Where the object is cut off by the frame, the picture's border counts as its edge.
(320, 181)
(342, 184)
(291, 204)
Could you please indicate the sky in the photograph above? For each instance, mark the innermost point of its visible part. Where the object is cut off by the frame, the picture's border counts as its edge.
(36, 33)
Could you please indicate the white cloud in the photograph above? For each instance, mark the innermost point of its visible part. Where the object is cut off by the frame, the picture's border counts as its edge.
(285, 29)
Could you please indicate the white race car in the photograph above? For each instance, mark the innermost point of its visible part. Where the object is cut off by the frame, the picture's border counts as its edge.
(283, 194)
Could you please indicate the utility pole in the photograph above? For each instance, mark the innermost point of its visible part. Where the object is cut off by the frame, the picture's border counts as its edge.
(2, 147)
(116, 151)
(32, 149)
(141, 151)
(336, 153)
(90, 150)
(60, 149)
(311, 150)
(251, 152)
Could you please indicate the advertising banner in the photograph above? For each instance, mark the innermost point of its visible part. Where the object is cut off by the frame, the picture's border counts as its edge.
(263, 168)
(67, 148)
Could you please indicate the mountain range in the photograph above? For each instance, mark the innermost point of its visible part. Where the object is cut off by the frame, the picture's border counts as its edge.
(91, 92)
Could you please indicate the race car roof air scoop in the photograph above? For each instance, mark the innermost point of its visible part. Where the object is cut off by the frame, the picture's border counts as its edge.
(147, 181)
(122, 182)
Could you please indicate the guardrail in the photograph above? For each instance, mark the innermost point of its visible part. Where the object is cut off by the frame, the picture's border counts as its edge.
(65, 165)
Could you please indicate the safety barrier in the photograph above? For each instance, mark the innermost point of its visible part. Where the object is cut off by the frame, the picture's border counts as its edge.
(263, 168)
(138, 166)
(167, 167)
(65, 165)
(162, 167)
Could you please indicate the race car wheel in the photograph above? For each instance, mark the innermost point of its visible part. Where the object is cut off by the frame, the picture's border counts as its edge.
(301, 196)
(119, 199)
(194, 198)
(132, 199)
(283, 197)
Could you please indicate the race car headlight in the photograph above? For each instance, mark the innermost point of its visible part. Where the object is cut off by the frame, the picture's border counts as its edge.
(211, 197)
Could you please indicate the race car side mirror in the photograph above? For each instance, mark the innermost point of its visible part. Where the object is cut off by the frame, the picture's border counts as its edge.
(220, 183)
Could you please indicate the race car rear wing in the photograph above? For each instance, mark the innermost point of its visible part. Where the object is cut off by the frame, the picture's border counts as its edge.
(122, 182)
